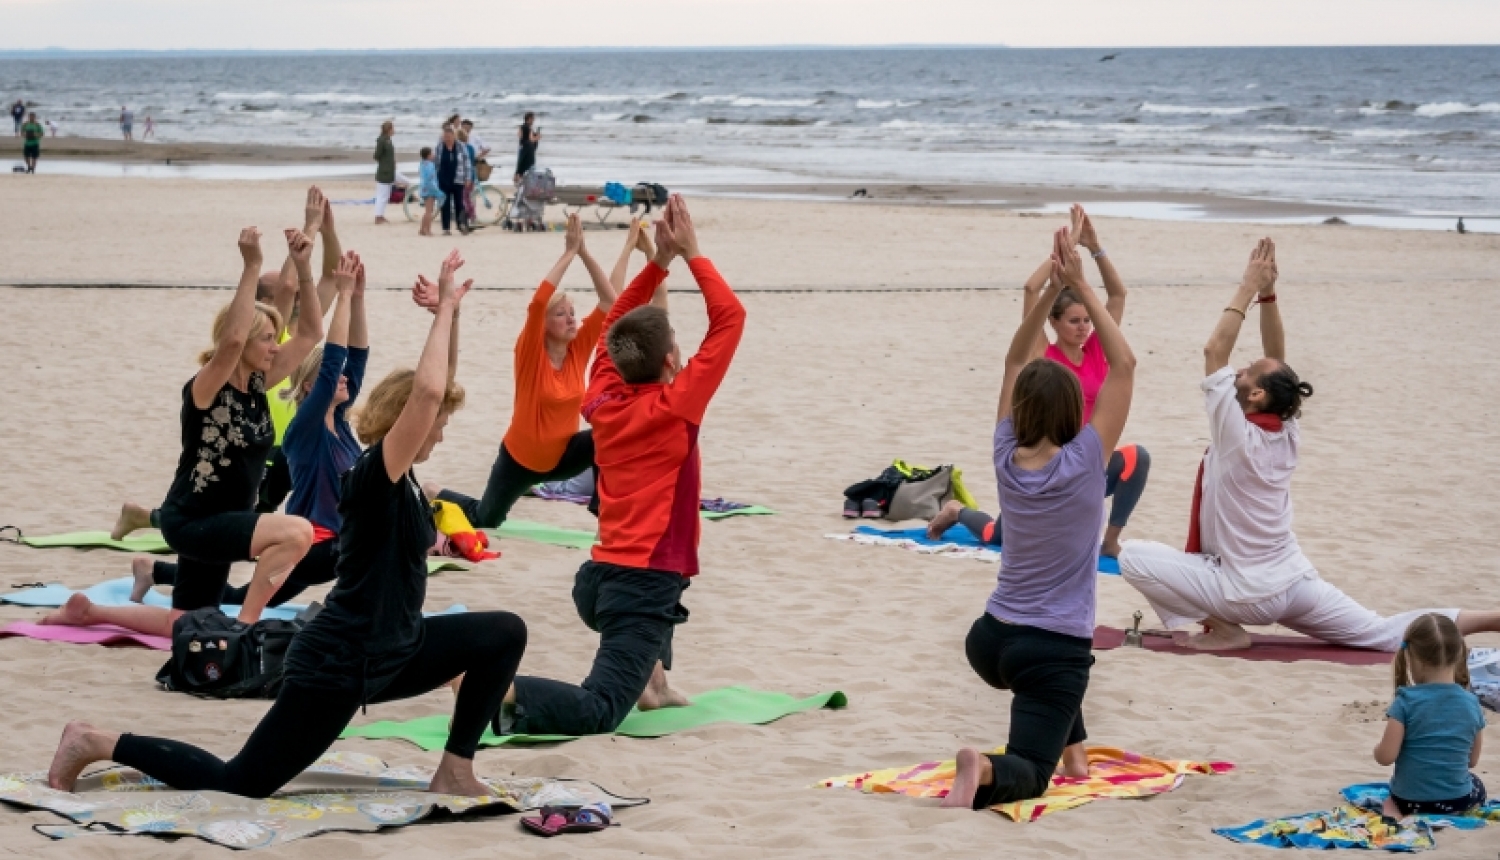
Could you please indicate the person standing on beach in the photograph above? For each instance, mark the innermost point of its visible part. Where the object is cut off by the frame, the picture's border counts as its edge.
(385, 169)
(127, 123)
(453, 171)
(31, 145)
(528, 139)
(18, 113)
(150, 131)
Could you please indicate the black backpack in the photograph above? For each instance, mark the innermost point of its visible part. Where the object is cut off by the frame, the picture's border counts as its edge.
(217, 657)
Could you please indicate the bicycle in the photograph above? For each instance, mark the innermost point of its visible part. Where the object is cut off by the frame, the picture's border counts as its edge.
(490, 204)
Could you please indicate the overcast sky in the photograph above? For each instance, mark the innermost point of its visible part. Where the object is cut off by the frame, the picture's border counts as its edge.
(389, 24)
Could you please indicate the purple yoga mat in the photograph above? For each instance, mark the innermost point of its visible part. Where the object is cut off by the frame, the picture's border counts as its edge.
(1279, 649)
(102, 634)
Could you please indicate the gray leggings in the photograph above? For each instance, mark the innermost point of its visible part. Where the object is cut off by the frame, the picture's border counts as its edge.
(1125, 480)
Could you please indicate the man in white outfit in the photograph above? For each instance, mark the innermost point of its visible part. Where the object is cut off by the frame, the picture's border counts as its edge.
(1243, 564)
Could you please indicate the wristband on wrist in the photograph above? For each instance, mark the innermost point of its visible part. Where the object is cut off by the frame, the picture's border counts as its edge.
(1266, 300)
(1236, 310)
(1100, 253)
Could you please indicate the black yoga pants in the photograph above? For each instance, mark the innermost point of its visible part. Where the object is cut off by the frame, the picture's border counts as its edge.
(453, 206)
(276, 484)
(1048, 674)
(206, 547)
(305, 720)
(315, 568)
(634, 611)
(1125, 480)
(510, 480)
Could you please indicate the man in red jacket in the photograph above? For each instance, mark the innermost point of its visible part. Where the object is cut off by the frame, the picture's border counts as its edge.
(645, 408)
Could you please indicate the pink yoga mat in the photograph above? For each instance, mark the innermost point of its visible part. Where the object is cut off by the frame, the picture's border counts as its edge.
(103, 634)
(1278, 649)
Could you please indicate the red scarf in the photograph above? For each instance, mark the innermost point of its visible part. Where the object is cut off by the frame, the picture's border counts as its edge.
(1265, 421)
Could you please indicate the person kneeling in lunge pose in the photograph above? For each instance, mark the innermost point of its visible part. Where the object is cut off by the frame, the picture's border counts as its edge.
(646, 409)
(1242, 563)
(370, 643)
(1036, 635)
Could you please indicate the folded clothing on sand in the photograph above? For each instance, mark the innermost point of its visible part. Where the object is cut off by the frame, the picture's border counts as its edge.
(956, 542)
(342, 791)
(1357, 824)
(1113, 773)
(725, 705)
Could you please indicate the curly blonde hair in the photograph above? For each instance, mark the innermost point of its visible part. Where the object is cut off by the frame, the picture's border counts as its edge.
(267, 317)
(383, 405)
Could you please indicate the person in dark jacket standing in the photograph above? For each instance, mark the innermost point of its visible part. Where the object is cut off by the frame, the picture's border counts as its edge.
(528, 137)
(453, 171)
(385, 169)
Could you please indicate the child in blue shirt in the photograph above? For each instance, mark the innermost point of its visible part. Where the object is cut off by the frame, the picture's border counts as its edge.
(431, 194)
(1433, 731)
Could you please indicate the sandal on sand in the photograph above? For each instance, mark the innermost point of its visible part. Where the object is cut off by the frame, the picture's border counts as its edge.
(569, 819)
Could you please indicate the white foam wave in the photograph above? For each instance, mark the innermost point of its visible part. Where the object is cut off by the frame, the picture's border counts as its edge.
(607, 117)
(580, 98)
(268, 95)
(347, 98)
(1199, 110)
(753, 101)
(882, 104)
(1439, 109)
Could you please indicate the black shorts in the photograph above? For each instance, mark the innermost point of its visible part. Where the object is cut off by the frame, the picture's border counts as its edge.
(31, 150)
(206, 547)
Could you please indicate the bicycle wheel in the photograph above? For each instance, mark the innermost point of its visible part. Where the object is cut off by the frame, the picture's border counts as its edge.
(413, 204)
(490, 204)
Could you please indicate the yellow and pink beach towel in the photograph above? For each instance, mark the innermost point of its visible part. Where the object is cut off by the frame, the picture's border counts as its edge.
(1113, 773)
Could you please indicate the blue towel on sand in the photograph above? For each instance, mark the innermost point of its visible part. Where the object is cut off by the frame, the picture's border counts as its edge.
(116, 592)
(960, 536)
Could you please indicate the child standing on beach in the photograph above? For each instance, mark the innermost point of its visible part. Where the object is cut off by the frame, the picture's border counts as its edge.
(1434, 729)
(431, 194)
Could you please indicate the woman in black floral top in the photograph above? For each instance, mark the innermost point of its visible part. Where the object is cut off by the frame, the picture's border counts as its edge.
(209, 516)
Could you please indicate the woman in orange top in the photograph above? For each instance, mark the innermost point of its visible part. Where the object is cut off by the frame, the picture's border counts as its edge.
(552, 353)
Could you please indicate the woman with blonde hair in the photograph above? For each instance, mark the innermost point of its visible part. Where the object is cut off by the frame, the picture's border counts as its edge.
(320, 444)
(370, 644)
(552, 353)
(209, 515)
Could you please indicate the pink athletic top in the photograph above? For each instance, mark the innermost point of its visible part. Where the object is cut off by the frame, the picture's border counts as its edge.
(1091, 373)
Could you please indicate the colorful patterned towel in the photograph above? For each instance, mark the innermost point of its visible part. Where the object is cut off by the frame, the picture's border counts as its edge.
(1113, 773)
(957, 542)
(342, 791)
(1357, 824)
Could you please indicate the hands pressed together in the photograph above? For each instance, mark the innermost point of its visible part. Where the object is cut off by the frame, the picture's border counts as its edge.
(675, 234)
(1261, 272)
(431, 295)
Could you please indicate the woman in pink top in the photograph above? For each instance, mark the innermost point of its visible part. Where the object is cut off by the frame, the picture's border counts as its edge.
(1076, 348)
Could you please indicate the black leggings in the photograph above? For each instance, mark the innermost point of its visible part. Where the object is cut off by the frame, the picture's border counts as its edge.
(1125, 479)
(1048, 673)
(305, 720)
(510, 480)
(315, 568)
(1457, 806)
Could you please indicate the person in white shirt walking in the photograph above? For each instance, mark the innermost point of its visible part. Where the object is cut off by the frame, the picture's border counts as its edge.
(1242, 564)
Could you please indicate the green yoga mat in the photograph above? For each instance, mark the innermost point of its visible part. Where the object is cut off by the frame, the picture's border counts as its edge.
(540, 533)
(152, 542)
(751, 511)
(726, 705)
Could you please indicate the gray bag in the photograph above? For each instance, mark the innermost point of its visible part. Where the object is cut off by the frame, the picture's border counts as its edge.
(921, 500)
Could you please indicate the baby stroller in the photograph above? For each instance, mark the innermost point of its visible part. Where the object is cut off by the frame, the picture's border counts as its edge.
(528, 210)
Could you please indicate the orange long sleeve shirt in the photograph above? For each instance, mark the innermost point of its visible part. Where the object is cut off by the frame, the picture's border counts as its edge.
(646, 436)
(547, 402)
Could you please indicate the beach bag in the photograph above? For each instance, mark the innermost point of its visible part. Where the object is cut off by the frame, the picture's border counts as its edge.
(398, 194)
(216, 657)
(538, 184)
(482, 169)
(922, 494)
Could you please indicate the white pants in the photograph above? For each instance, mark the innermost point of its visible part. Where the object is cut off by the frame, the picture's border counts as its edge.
(1186, 588)
(383, 193)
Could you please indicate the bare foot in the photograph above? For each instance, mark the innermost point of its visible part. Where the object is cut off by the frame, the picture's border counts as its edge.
(78, 749)
(74, 613)
(1219, 636)
(456, 776)
(1075, 762)
(659, 694)
(140, 569)
(974, 770)
(944, 520)
(132, 517)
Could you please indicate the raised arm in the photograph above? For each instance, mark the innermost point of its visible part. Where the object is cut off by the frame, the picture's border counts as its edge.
(1114, 288)
(429, 385)
(359, 330)
(1023, 345)
(1031, 293)
(1272, 336)
(1260, 272)
(1112, 408)
(427, 294)
(332, 249)
(572, 241)
(231, 343)
(309, 329)
(602, 286)
(689, 393)
(343, 311)
(639, 239)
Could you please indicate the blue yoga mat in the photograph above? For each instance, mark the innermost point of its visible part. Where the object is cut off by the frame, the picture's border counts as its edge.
(116, 592)
(960, 536)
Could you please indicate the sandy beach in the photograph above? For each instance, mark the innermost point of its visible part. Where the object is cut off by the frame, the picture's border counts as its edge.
(875, 331)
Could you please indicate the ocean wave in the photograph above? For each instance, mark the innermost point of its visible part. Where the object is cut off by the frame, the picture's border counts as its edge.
(607, 117)
(753, 101)
(1381, 108)
(582, 98)
(879, 104)
(260, 97)
(1191, 110)
(1439, 109)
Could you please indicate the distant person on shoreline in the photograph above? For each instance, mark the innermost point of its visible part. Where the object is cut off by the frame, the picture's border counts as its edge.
(127, 123)
(528, 138)
(150, 131)
(52, 130)
(385, 169)
(18, 113)
(31, 146)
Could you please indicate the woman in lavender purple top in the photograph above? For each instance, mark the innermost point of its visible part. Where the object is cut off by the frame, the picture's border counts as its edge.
(1035, 636)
